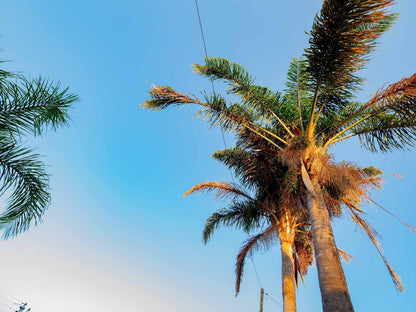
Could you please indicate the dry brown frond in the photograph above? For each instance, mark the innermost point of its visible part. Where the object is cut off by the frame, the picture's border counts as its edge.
(345, 256)
(385, 96)
(224, 190)
(163, 96)
(390, 213)
(264, 240)
(372, 235)
(304, 251)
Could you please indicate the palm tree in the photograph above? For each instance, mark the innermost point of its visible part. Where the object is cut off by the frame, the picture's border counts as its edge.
(27, 107)
(277, 205)
(268, 207)
(325, 113)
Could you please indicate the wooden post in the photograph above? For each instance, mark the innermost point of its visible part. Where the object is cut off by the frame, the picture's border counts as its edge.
(261, 299)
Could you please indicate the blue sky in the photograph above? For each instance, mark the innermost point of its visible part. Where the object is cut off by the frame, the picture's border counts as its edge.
(119, 234)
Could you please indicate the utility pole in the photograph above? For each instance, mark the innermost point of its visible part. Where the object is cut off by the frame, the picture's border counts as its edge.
(261, 299)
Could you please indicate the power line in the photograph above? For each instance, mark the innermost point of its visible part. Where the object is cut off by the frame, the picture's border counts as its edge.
(255, 270)
(212, 82)
(260, 283)
(222, 132)
(267, 295)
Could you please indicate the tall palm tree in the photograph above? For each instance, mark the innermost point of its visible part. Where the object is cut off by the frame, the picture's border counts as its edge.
(27, 107)
(300, 135)
(277, 205)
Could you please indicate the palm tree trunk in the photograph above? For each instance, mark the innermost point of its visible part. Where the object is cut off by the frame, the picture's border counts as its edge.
(288, 277)
(334, 291)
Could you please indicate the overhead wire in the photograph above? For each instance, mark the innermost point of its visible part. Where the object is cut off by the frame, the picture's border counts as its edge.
(211, 80)
(223, 136)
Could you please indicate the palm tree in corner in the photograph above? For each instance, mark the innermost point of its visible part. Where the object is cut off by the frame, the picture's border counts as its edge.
(27, 107)
(300, 133)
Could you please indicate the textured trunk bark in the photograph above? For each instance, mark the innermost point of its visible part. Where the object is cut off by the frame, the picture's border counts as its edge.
(288, 277)
(334, 291)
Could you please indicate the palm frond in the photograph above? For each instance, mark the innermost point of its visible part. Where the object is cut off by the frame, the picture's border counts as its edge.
(387, 121)
(297, 91)
(262, 240)
(372, 235)
(22, 172)
(33, 105)
(244, 215)
(342, 36)
(216, 111)
(263, 103)
(392, 214)
(345, 255)
(224, 190)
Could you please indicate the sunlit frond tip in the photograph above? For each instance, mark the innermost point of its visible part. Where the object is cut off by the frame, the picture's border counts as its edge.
(162, 97)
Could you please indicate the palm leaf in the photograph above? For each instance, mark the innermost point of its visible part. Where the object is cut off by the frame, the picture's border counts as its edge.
(342, 36)
(386, 122)
(33, 105)
(262, 240)
(244, 215)
(263, 103)
(216, 111)
(372, 235)
(224, 190)
(22, 172)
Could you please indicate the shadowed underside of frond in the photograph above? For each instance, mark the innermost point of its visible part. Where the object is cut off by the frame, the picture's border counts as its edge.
(244, 215)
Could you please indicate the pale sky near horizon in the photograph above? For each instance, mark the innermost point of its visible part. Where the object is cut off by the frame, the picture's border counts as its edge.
(119, 236)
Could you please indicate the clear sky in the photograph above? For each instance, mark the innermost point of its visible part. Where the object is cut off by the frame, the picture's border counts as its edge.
(119, 236)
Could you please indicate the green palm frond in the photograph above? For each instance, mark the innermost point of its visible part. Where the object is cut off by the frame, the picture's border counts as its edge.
(23, 173)
(342, 36)
(263, 103)
(297, 91)
(245, 215)
(385, 132)
(216, 111)
(33, 105)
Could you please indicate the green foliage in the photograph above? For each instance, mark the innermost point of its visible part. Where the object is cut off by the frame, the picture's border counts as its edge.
(27, 107)
(297, 92)
(278, 134)
(33, 105)
(342, 36)
(22, 171)
(388, 131)
(264, 106)
(245, 215)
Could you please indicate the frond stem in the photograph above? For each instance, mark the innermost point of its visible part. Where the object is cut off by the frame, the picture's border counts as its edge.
(329, 142)
(311, 116)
